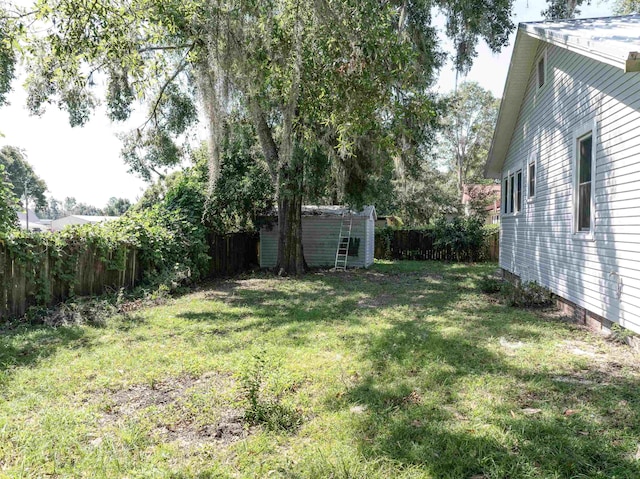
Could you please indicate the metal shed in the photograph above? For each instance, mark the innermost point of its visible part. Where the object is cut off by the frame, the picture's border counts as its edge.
(320, 235)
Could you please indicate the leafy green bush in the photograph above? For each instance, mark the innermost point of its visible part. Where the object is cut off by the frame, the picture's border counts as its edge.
(464, 235)
(171, 248)
(490, 285)
(529, 294)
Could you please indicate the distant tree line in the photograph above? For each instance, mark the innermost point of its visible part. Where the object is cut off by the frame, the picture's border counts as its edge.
(22, 188)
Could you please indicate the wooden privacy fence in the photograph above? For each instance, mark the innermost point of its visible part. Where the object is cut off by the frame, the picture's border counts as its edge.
(409, 244)
(45, 278)
(419, 245)
(492, 246)
(232, 254)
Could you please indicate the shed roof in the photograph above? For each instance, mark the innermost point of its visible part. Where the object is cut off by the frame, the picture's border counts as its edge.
(334, 210)
(337, 210)
(611, 40)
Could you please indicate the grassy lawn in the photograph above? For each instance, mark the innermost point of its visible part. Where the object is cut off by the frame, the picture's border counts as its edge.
(401, 371)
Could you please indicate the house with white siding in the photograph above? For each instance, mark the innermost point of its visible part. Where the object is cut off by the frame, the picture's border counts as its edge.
(321, 226)
(566, 149)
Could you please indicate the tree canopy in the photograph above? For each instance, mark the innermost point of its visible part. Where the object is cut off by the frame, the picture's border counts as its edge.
(116, 206)
(8, 203)
(467, 132)
(345, 81)
(22, 177)
(626, 7)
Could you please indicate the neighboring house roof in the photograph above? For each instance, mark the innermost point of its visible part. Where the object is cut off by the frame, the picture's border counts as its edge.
(611, 40)
(94, 219)
(34, 223)
(479, 190)
(60, 223)
(33, 217)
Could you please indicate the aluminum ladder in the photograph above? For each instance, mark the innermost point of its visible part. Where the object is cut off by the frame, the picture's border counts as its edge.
(344, 238)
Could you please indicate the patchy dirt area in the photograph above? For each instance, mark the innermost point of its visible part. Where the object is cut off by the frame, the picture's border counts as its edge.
(183, 409)
(375, 301)
(608, 360)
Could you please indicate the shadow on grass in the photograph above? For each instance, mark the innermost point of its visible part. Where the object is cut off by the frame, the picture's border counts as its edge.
(300, 312)
(26, 346)
(454, 428)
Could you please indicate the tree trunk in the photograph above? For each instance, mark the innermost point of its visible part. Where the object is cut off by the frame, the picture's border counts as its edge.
(290, 253)
(460, 168)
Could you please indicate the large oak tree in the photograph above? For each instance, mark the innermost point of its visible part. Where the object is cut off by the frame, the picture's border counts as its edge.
(348, 77)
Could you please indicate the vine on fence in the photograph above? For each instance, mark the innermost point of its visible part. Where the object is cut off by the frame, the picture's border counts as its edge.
(165, 242)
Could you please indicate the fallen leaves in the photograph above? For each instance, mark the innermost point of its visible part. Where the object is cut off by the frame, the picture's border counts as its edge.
(530, 411)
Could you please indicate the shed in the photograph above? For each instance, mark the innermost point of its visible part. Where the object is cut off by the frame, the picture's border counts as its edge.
(566, 149)
(60, 223)
(320, 232)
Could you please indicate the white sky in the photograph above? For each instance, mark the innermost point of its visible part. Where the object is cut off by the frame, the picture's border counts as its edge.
(85, 162)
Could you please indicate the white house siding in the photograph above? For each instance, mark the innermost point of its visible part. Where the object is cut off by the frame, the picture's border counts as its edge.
(602, 275)
(319, 240)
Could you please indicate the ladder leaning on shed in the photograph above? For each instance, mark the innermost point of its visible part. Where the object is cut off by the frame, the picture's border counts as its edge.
(344, 238)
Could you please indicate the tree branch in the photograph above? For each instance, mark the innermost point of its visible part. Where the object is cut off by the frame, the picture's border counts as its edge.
(265, 136)
(179, 69)
(167, 47)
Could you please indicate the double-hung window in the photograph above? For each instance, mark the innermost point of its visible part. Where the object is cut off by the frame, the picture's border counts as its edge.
(584, 179)
(531, 177)
(512, 193)
(505, 195)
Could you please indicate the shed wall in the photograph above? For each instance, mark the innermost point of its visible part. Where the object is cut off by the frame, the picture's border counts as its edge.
(538, 244)
(370, 242)
(319, 242)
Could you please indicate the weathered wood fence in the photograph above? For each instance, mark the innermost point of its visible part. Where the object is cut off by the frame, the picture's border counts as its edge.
(419, 245)
(232, 254)
(38, 278)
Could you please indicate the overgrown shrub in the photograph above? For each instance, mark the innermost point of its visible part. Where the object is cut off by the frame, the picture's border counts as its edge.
(464, 235)
(529, 294)
(490, 285)
(171, 247)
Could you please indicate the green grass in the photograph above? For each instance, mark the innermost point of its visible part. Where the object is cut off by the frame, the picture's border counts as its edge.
(402, 371)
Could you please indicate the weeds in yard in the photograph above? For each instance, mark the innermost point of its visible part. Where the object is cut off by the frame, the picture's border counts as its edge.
(404, 370)
(529, 294)
(621, 335)
(264, 406)
(490, 285)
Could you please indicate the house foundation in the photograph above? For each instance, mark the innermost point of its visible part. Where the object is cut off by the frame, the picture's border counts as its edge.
(578, 314)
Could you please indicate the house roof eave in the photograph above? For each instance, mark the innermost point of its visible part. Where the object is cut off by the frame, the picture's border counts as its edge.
(610, 40)
(522, 59)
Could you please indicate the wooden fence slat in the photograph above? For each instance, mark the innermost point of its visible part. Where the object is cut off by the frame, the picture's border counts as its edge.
(230, 254)
(419, 245)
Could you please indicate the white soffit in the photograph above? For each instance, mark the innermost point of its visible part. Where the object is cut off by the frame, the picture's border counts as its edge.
(611, 40)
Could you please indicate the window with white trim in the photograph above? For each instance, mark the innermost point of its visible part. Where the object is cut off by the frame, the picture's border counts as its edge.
(505, 195)
(512, 193)
(518, 192)
(584, 177)
(531, 177)
(541, 68)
